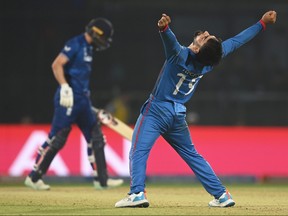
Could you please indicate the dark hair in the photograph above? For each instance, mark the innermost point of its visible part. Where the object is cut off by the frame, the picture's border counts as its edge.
(211, 52)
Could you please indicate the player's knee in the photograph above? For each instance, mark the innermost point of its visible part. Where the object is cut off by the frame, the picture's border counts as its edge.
(58, 141)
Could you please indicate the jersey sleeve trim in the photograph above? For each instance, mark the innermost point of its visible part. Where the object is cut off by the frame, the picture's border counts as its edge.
(263, 24)
(63, 54)
(166, 27)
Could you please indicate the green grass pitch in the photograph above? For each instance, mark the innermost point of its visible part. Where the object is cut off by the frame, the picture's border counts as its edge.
(165, 199)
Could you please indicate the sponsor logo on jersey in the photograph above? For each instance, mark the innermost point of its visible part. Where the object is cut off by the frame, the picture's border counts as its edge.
(193, 75)
(87, 57)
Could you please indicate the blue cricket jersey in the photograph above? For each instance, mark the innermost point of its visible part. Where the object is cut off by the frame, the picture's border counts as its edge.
(78, 69)
(164, 112)
(181, 71)
(77, 73)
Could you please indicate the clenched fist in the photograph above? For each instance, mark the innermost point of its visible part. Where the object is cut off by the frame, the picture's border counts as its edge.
(66, 96)
(163, 22)
(269, 17)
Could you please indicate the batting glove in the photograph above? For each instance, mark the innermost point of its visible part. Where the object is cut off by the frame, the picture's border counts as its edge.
(66, 95)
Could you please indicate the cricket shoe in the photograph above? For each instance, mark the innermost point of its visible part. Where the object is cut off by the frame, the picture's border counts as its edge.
(111, 183)
(39, 185)
(133, 200)
(225, 200)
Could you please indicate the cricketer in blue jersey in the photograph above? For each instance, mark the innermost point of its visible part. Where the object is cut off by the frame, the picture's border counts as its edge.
(163, 114)
(72, 105)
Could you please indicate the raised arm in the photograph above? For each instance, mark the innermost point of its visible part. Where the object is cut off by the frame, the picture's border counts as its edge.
(248, 34)
(171, 45)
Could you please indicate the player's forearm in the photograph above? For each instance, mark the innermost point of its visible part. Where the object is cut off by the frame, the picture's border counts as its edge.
(58, 68)
(242, 38)
(58, 72)
(170, 43)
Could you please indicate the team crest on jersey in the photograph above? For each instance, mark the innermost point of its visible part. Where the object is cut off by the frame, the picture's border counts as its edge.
(67, 48)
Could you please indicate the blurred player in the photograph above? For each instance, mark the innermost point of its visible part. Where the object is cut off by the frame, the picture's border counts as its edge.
(164, 112)
(72, 104)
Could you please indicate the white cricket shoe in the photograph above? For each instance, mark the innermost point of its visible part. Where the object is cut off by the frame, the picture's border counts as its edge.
(111, 183)
(133, 200)
(225, 200)
(39, 185)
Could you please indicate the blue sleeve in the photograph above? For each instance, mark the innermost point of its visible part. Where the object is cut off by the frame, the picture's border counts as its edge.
(231, 44)
(70, 48)
(170, 43)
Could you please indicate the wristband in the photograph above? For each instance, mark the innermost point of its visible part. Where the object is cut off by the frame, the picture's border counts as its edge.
(263, 24)
(164, 29)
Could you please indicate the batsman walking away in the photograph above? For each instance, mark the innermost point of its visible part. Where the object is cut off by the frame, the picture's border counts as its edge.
(72, 105)
(164, 112)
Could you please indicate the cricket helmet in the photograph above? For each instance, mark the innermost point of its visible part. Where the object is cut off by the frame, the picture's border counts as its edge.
(101, 31)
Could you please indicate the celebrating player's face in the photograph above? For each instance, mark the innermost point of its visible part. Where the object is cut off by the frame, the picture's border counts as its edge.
(200, 38)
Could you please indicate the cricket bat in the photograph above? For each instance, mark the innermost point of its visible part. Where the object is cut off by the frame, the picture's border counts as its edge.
(114, 123)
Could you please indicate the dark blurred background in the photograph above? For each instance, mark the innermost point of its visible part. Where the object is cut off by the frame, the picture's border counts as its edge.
(249, 87)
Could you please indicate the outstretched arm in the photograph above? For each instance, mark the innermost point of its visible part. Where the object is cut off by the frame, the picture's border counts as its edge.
(171, 45)
(248, 34)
